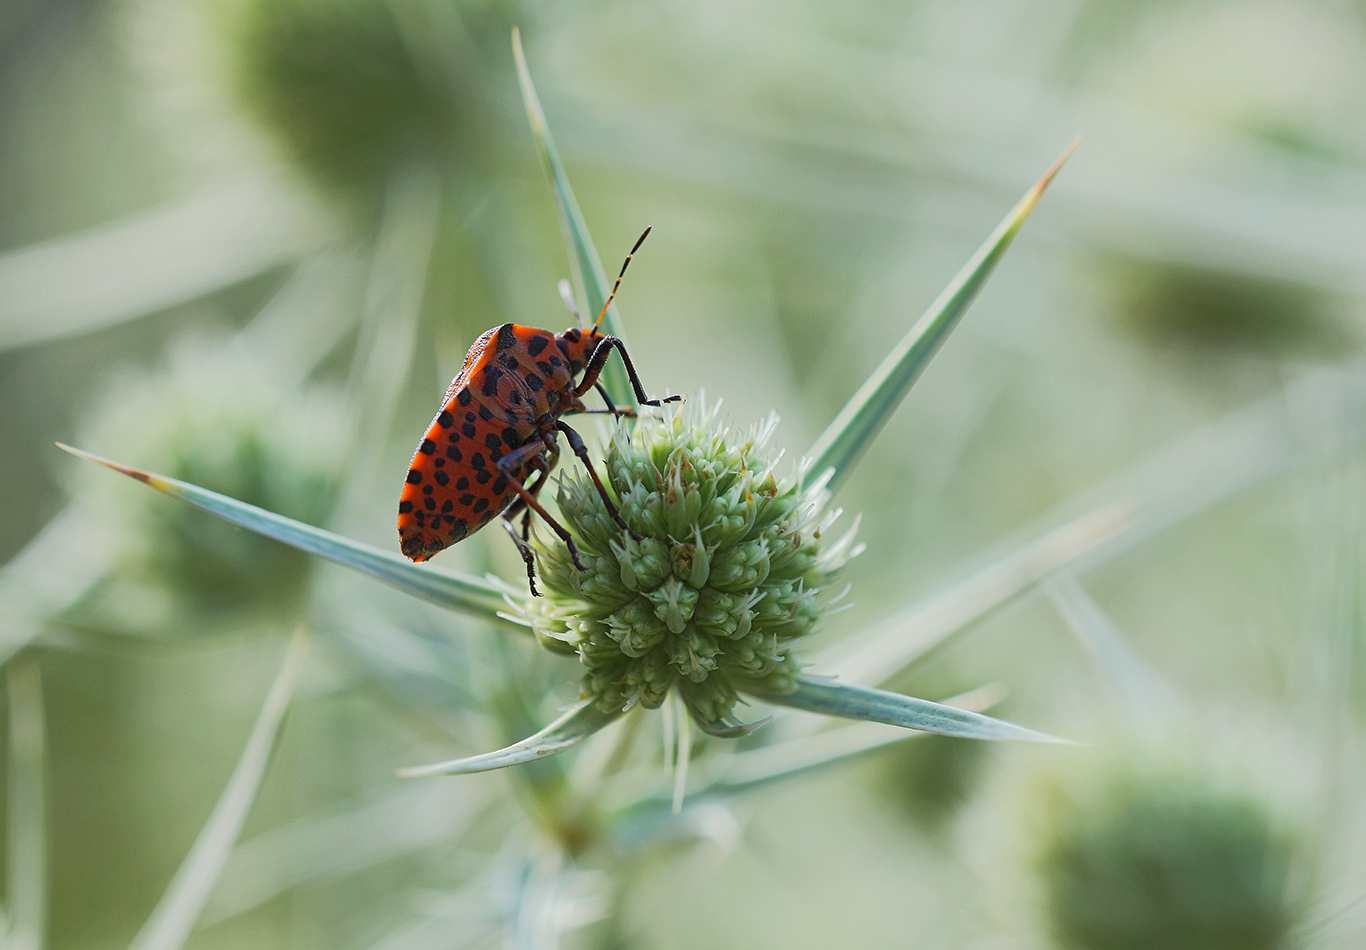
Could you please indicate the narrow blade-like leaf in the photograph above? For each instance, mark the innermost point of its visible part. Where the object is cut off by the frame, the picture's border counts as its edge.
(830, 697)
(910, 634)
(797, 757)
(844, 441)
(27, 846)
(731, 729)
(336, 842)
(569, 730)
(50, 574)
(1132, 679)
(583, 256)
(443, 587)
(150, 261)
(176, 913)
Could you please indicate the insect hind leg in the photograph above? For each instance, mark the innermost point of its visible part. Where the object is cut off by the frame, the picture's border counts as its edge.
(508, 465)
(525, 551)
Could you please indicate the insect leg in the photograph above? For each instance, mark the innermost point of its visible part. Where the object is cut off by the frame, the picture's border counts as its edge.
(525, 552)
(581, 450)
(508, 465)
(599, 359)
(522, 538)
(543, 470)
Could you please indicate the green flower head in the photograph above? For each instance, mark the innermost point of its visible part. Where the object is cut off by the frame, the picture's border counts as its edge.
(1148, 859)
(728, 571)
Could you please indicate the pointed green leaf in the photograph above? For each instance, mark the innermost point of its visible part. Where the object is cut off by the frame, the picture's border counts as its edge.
(1132, 679)
(784, 760)
(583, 256)
(910, 634)
(175, 915)
(443, 587)
(337, 841)
(730, 729)
(152, 260)
(569, 730)
(832, 698)
(26, 852)
(844, 441)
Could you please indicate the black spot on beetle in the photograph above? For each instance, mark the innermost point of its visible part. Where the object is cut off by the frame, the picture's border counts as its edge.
(404, 507)
(462, 483)
(511, 437)
(460, 528)
(464, 396)
(485, 413)
(506, 336)
(533, 382)
(430, 503)
(444, 419)
(428, 489)
(447, 506)
(477, 460)
(453, 453)
(483, 476)
(427, 447)
(441, 477)
(414, 477)
(493, 440)
(466, 500)
(536, 344)
(490, 384)
(545, 368)
(469, 429)
(480, 505)
(500, 485)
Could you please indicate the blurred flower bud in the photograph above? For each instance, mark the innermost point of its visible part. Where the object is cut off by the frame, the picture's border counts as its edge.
(220, 419)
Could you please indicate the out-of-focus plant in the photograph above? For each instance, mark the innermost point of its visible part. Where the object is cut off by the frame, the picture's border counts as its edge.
(1147, 858)
(338, 83)
(1158, 837)
(217, 415)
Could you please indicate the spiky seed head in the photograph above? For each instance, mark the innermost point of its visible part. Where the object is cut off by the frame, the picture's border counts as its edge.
(732, 567)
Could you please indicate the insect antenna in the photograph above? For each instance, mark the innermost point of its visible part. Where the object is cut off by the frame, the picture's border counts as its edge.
(625, 264)
(567, 295)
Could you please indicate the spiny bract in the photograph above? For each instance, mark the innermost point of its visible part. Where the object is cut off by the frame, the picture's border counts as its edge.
(728, 573)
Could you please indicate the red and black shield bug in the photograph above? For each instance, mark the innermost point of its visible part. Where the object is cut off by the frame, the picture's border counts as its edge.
(498, 428)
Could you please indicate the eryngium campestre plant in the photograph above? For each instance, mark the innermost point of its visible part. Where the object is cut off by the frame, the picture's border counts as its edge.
(1148, 859)
(728, 573)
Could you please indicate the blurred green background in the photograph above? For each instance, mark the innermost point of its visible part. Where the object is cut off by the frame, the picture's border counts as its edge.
(248, 242)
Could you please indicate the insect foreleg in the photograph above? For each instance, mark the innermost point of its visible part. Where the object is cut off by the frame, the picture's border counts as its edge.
(599, 359)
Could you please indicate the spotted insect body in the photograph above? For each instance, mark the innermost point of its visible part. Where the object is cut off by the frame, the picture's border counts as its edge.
(492, 445)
